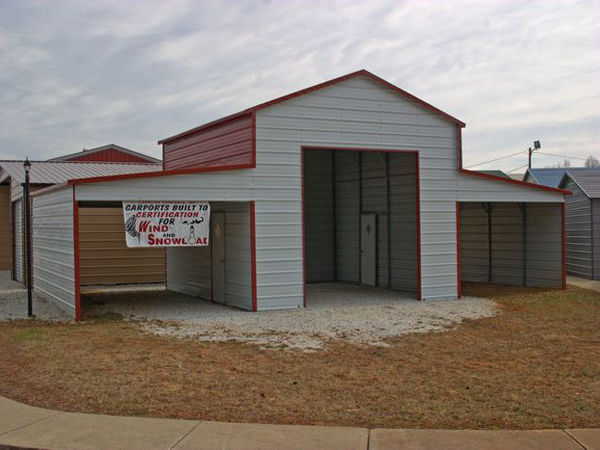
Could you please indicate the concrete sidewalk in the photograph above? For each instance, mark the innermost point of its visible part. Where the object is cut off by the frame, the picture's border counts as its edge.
(583, 283)
(23, 426)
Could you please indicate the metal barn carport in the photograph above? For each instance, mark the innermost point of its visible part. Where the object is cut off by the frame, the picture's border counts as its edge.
(194, 271)
(510, 232)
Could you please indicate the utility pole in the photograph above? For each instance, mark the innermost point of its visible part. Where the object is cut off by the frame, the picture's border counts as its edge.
(536, 146)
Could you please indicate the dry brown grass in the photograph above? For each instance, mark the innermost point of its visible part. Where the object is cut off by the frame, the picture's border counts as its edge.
(537, 365)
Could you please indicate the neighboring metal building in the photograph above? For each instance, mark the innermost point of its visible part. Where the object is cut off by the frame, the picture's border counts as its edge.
(353, 180)
(583, 222)
(549, 176)
(102, 249)
(109, 153)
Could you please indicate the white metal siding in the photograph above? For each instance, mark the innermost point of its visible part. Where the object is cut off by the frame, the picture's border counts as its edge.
(361, 113)
(475, 189)
(188, 271)
(578, 215)
(53, 248)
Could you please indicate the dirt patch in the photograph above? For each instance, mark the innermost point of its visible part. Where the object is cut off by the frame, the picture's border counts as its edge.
(536, 365)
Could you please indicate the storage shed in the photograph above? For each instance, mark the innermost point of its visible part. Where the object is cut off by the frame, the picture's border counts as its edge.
(350, 181)
(583, 222)
(102, 243)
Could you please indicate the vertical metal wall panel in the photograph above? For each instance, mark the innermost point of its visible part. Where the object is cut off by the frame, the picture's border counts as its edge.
(188, 271)
(578, 216)
(403, 222)
(53, 248)
(110, 155)
(507, 244)
(238, 258)
(5, 229)
(374, 201)
(319, 216)
(104, 256)
(596, 237)
(544, 245)
(473, 243)
(347, 216)
(18, 240)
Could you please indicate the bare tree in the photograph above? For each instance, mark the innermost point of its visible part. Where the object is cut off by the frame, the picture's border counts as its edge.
(592, 161)
(566, 164)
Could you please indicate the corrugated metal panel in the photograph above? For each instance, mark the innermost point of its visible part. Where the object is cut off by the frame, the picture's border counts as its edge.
(188, 271)
(507, 243)
(45, 172)
(544, 245)
(229, 143)
(596, 236)
(588, 180)
(578, 215)
(103, 254)
(53, 248)
(403, 221)
(5, 229)
(319, 216)
(109, 155)
(238, 257)
(473, 243)
(18, 240)
(347, 216)
(473, 189)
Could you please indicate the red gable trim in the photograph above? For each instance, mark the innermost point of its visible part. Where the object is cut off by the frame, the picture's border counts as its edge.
(316, 87)
(510, 180)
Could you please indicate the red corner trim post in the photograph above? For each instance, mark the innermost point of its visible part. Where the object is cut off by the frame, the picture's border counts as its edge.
(76, 257)
(253, 139)
(564, 249)
(458, 273)
(460, 151)
(253, 254)
(302, 150)
(510, 180)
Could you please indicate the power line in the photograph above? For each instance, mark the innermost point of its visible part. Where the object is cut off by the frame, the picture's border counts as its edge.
(494, 160)
(517, 168)
(562, 156)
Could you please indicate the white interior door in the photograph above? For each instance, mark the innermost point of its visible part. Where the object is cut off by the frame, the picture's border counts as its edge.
(217, 242)
(368, 249)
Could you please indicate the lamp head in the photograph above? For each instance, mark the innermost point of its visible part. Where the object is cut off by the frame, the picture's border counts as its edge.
(537, 145)
(27, 165)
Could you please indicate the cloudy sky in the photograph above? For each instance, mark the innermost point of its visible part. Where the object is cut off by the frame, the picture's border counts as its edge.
(77, 74)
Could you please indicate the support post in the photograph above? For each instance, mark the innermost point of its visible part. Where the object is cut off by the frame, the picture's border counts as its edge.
(29, 275)
(389, 219)
(334, 213)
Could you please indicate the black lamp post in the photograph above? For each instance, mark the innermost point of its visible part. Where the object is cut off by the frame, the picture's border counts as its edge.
(29, 277)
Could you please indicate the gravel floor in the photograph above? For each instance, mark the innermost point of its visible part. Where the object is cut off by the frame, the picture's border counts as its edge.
(357, 314)
(13, 302)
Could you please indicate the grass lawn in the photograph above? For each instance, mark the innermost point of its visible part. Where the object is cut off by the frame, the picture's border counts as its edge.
(536, 365)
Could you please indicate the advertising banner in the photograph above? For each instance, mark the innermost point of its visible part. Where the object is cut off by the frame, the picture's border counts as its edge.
(166, 224)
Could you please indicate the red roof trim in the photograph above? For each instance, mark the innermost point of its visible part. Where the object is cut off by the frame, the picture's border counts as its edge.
(510, 180)
(316, 87)
(163, 173)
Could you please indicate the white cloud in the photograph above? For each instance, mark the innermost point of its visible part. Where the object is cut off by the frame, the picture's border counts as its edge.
(76, 74)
